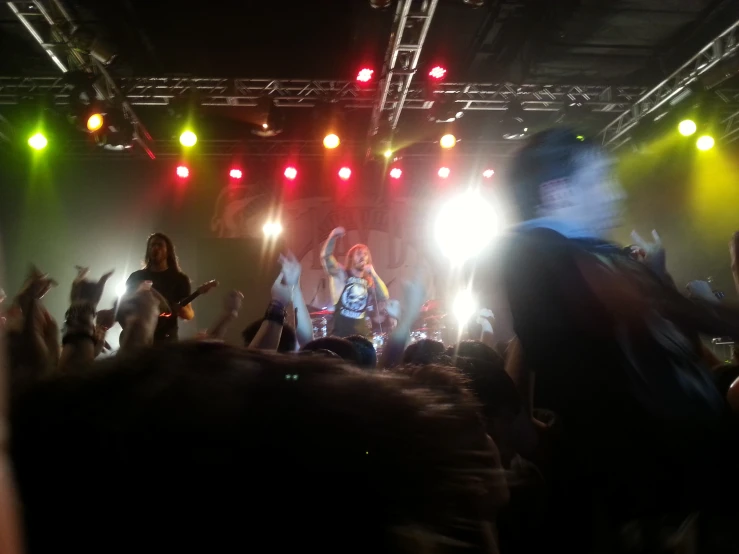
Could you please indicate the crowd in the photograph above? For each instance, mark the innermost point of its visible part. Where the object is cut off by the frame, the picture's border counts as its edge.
(605, 426)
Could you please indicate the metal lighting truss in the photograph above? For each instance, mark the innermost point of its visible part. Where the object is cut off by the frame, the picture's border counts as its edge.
(731, 128)
(287, 149)
(401, 59)
(296, 93)
(52, 19)
(718, 49)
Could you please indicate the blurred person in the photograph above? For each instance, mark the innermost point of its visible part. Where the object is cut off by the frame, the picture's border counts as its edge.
(424, 351)
(162, 447)
(356, 289)
(343, 348)
(607, 343)
(162, 269)
(366, 353)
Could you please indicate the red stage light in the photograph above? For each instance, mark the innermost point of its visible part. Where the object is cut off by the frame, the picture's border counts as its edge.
(396, 172)
(235, 174)
(345, 173)
(488, 173)
(437, 72)
(444, 172)
(290, 172)
(365, 75)
(183, 172)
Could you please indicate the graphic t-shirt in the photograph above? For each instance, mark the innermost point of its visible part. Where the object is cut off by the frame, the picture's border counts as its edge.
(173, 285)
(350, 313)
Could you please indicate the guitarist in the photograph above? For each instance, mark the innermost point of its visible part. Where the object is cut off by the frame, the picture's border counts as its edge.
(163, 270)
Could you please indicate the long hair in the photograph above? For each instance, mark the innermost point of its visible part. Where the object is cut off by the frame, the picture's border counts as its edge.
(172, 260)
(350, 254)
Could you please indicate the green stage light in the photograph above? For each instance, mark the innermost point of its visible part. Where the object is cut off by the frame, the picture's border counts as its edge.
(38, 141)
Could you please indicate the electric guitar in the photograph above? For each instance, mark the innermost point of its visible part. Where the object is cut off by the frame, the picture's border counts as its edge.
(202, 289)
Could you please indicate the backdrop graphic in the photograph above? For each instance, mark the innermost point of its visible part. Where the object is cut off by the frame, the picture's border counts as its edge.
(397, 233)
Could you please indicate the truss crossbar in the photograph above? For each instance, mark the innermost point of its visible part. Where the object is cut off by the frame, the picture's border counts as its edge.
(296, 93)
(290, 149)
(718, 49)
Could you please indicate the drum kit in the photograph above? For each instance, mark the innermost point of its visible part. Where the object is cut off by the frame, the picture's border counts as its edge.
(431, 324)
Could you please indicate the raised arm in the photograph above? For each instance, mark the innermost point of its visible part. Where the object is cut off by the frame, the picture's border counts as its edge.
(329, 262)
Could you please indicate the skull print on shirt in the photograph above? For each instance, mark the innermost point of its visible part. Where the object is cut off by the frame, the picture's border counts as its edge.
(353, 300)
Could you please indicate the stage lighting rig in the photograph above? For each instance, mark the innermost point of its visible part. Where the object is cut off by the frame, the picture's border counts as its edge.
(90, 43)
(445, 111)
(513, 125)
(117, 133)
(270, 119)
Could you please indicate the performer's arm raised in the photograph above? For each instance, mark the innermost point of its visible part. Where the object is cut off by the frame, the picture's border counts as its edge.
(330, 264)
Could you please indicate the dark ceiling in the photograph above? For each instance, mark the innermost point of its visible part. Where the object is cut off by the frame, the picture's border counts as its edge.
(595, 41)
(620, 42)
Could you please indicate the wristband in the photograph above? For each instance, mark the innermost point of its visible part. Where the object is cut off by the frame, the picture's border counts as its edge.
(275, 312)
(80, 318)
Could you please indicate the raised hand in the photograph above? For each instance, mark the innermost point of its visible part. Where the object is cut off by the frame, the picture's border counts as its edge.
(653, 252)
(36, 286)
(281, 291)
(291, 269)
(392, 307)
(84, 290)
(701, 290)
(338, 232)
(232, 302)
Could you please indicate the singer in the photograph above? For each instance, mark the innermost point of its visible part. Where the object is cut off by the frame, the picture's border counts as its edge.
(356, 289)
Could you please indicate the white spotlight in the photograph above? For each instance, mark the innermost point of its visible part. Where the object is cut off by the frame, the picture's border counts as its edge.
(120, 289)
(465, 226)
(272, 229)
(464, 306)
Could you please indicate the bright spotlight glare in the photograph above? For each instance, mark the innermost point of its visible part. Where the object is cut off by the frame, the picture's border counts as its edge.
(465, 225)
(331, 141)
(365, 75)
(444, 172)
(38, 141)
(188, 139)
(290, 173)
(235, 174)
(345, 173)
(396, 172)
(387, 153)
(488, 173)
(437, 72)
(272, 229)
(182, 172)
(120, 289)
(448, 141)
(464, 306)
(705, 142)
(94, 122)
(687, 127)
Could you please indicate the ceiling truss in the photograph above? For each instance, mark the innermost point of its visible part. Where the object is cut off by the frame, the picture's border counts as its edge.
(52, 26)
(296, 93)
(289, 149)
(719, 49)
